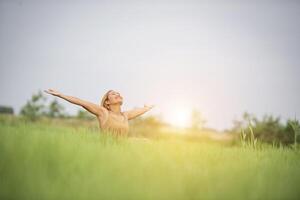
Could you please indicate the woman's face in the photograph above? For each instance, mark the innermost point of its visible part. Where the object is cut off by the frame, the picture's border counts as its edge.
(115, 98)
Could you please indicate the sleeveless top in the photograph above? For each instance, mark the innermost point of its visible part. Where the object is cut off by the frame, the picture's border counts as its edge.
(116, 124)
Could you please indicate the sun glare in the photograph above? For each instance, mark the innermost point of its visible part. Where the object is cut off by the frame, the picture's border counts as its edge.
(179, 117)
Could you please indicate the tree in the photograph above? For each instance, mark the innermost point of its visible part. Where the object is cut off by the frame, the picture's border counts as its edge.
(197, 120)
(55, 109)
(34, 108)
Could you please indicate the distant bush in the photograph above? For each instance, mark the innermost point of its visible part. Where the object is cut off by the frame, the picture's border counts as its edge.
(6, 110)
(269, 129)
(83, 114)
(146, 126)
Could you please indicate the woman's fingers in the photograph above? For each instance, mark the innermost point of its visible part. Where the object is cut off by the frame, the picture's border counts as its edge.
(51, 91)
(47, 91)
(149, 107)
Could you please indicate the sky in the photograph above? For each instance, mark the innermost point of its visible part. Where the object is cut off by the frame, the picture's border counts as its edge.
(220, 58)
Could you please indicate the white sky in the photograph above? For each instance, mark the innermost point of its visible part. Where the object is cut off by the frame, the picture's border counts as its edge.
(223, 59)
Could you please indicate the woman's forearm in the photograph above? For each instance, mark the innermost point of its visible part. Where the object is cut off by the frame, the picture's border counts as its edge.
(91, 107)
(71, 99)
(140, 111)
(136, 112)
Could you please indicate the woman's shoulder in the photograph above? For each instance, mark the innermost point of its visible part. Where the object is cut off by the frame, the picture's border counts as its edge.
(103, 113)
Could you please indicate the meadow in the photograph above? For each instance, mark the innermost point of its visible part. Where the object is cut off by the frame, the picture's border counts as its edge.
(53, 161)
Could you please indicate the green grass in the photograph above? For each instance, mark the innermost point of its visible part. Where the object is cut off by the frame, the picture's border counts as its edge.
(43, 161)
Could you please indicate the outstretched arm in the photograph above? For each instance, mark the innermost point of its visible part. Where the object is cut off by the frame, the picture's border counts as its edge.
(131, 114)
(91, 107)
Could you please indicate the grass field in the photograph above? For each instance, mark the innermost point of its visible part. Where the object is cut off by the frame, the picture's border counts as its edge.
(42, 161)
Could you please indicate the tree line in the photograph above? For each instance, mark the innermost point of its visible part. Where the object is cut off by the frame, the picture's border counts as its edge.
(268, 129)
(37, 107)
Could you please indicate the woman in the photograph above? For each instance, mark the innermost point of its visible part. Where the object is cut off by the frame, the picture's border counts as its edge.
(108, 113)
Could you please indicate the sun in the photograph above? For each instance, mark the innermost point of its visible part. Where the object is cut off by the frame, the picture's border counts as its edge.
(179, 116)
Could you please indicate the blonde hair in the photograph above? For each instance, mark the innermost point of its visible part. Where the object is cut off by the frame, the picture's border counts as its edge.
(104, 98)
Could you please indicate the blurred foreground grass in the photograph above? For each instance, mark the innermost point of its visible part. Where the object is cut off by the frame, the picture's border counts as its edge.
(49, 161)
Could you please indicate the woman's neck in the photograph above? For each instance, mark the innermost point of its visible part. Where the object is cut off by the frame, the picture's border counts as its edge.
(115, 109)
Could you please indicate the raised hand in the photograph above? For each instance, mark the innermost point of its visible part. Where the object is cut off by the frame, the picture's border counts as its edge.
(52, 92)
(149, 107)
